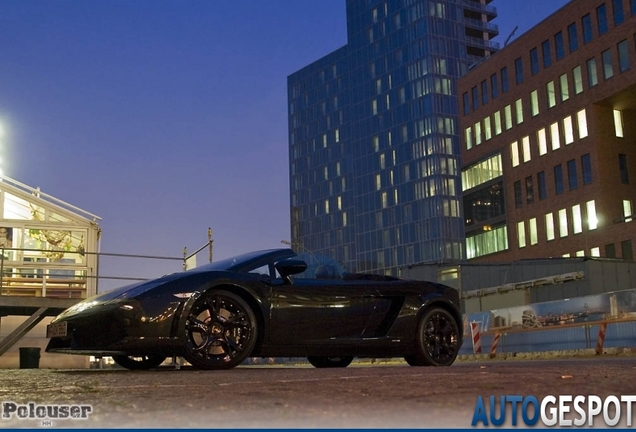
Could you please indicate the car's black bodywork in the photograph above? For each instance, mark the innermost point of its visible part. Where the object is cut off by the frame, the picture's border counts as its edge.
(271, 303)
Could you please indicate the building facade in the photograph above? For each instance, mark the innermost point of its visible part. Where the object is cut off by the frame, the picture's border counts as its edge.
(549, 141)
(373, 134)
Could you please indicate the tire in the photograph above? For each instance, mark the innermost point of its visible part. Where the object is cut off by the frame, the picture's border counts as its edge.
(220, 331)
(330, 362)
(144, 362)
(436, 339)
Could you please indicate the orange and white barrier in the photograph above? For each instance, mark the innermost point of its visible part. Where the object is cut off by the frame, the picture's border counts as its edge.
(474, 329)
(495, 342)
(601, 338)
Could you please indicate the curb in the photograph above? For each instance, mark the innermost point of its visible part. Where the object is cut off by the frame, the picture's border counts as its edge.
(591, 352)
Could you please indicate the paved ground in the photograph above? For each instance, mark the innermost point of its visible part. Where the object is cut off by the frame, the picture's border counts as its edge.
(367, 396)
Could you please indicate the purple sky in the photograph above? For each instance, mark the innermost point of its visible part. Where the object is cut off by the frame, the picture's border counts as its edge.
(168, 117)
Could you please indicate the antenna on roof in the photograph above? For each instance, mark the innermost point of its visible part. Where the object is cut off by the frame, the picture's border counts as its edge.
(511, 33)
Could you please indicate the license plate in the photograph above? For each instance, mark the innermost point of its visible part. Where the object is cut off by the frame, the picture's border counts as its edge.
(57, 329)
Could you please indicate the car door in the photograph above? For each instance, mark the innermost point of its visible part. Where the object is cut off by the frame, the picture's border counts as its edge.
(316, 311)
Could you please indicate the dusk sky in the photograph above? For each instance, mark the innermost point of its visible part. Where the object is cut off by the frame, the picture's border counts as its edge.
(168, 117)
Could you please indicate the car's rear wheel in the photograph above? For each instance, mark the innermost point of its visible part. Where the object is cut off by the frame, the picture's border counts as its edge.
(436, 339)
(220, 331)
(144, 362)
(330, 362)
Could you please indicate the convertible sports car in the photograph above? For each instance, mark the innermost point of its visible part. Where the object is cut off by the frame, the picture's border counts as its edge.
(271, 303)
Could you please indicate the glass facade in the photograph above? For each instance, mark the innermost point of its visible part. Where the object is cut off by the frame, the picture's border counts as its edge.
(385, 190)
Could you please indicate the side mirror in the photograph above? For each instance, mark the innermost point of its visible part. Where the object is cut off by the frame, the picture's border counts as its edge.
(289, 267)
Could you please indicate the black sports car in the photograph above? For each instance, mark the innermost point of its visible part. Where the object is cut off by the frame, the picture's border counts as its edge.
(272, 303)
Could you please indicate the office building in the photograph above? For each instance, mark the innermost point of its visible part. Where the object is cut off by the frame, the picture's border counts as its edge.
(373, 134)
(549, 141)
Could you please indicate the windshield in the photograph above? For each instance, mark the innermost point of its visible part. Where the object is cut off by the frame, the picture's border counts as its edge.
(247, 261)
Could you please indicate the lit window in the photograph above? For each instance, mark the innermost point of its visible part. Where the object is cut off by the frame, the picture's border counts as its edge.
(378, 182)
(618, 123)
(385, 201)
(592, 221)
(565, 90)
(542, 142)
(498, 129)
(554, 136)
(592, 73)
(525, 142)
(563, 223)
(508, 116)
(534, 239)
(487, 128)
(326, 206)
(595, 252)
(582, 122)
(376, 143)
(608, 67)
(469, 138)
(568, 130)
(521, 234)
(549, 226)
(477, 133)
(578, 80)
(628, 213)
(534, 102)
(514, 153)
(580, 253)
(551, 94)
(577, 221)
(519, 109)
(374, 107)
(337, 135)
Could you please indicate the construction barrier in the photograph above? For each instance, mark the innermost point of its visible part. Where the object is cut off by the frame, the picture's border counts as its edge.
(600, 340)
(495, 342)
(474, 328)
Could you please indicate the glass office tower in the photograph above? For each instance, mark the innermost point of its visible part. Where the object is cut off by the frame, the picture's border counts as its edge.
(373, 137)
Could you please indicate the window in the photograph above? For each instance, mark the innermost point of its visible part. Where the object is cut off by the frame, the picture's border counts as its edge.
(572, 180)
(469, 137)
(487, 128)
(534, 239)
(565, 90)
(578, 80)
(577, 220)
(534, 61)
(601, 19)
(508, 116)
(592, 221)
(554, 136)
(633, 6)
(568, 130)
(610, 250)
(504, 80)
(484, 92)
(518, 201)
(475, 96)
(519, 110)
(559, 49)
(534, 103)
(542, 142)
(626, 247)
(608, 68)
(497, 117)
(623, 56)
(618, 124)
(543, 194)
(558, 179)
(622, 168)
(519, 70)
(573, 37)
(549, 88)
(586, 21)
(563, 223)
(525, 145)
(494, 87)
(586, 165)
(619, 13)
(628, 213)
(514, 153)
(477, 133)
(521, 234)
(549, 226)
(582, 121)
(529, 190)
(592, 75)
(547, 55)
(466, 103)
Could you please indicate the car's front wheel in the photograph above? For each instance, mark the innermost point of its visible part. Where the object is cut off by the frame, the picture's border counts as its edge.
(144, 362)
(436, 339)
(220, 331)
(330, 362)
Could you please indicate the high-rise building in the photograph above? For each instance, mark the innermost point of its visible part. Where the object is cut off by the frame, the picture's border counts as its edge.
(373, 134)
(549, 139)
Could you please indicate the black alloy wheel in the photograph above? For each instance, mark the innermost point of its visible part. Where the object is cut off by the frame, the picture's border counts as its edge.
(220, 331)
(143, 362)
(330, 362)
(436, 339)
